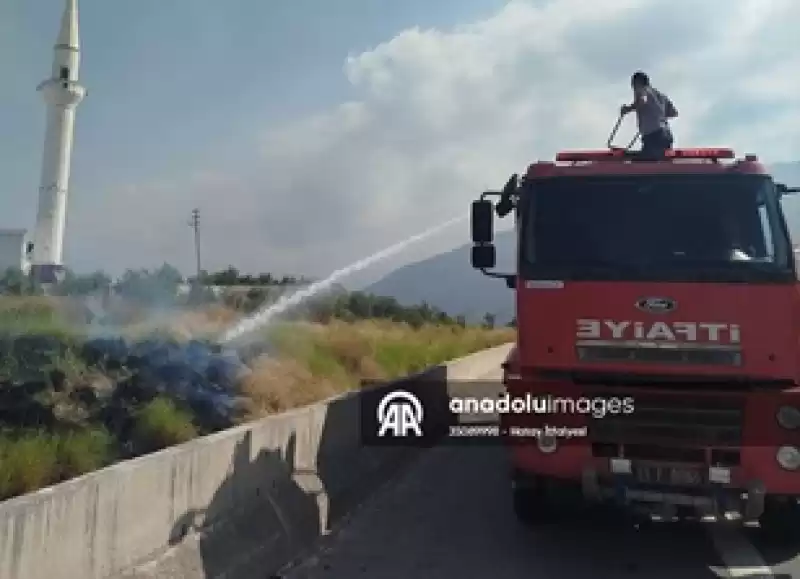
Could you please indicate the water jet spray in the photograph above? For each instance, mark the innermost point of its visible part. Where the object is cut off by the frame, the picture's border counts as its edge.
(265, 315)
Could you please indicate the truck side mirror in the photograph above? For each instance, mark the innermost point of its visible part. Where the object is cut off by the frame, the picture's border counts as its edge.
(483, 256)
(482, 221)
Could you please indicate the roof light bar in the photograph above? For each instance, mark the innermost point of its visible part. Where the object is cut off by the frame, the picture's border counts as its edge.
(716, 153)
(591, 155)
(619, 154)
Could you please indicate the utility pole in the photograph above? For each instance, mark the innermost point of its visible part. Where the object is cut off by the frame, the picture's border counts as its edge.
(194, 223)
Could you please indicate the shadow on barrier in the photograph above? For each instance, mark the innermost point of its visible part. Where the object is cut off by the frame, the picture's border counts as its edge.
(275, 504)
(258, 518)
(351, 460)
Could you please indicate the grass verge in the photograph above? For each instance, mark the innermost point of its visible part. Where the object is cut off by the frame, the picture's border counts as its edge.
(313, 362)
(33, 460)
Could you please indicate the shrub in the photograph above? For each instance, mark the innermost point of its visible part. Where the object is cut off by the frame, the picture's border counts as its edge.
(27, 463)
(85, 451)
(161, 423)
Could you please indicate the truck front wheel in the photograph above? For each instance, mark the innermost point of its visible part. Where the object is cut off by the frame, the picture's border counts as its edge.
(531, 506)
(780, 521)
(538, 499)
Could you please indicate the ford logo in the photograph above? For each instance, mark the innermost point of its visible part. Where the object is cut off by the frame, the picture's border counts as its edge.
(656, 305)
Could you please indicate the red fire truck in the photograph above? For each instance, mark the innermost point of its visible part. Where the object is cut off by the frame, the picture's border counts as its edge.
(658, 305)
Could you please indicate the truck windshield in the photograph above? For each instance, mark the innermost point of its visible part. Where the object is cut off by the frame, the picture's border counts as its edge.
(646, 227)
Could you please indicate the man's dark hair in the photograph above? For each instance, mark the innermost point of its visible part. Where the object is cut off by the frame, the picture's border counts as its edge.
(640, 78)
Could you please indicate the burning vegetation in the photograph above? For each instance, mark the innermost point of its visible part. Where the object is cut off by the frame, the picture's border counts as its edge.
(81, 389)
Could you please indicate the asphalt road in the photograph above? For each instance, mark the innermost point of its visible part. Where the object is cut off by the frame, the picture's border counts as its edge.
(450, 517)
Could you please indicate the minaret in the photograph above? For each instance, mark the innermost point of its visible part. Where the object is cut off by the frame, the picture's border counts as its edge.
(62, 94)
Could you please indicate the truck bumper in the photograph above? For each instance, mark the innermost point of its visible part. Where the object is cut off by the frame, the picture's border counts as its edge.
(710, 500)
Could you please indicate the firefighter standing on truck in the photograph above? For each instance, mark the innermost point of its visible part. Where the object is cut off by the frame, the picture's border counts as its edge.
(653, 111)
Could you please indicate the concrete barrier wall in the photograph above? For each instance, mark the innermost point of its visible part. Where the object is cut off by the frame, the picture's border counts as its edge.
(237, 504)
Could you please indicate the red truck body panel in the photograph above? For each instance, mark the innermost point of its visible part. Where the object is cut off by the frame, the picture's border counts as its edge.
(760, 321)
(726, 348)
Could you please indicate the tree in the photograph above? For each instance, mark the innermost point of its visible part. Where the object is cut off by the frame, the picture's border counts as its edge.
(80, 285)
(415, 319)
(14, 282)
(360, 305)
(229, 276)
(168, 275)
(488, 320)
(158, 287)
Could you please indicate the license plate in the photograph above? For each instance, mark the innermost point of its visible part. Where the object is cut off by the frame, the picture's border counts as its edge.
(669, 475)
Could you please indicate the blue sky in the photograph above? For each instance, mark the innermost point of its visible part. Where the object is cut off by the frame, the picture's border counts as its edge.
(302, 159)
(169, 81)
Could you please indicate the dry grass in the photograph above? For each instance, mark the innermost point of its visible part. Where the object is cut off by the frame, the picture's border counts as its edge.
(314, 362)
(40, 315)
(182, 324)
(60, 316)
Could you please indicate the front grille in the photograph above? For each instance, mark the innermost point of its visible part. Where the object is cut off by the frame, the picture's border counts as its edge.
(680, 428)
(667, 475)
(659, 355)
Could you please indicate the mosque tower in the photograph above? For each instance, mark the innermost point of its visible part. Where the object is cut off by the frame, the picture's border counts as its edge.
(62, 95)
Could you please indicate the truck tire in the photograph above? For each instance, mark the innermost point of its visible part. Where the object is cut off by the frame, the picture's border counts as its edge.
(538, 500)
(531, 506)
(780, 521)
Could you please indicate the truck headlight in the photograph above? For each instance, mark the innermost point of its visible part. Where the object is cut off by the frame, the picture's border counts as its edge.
(547, 444)
(788, 457)
(788, 417)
